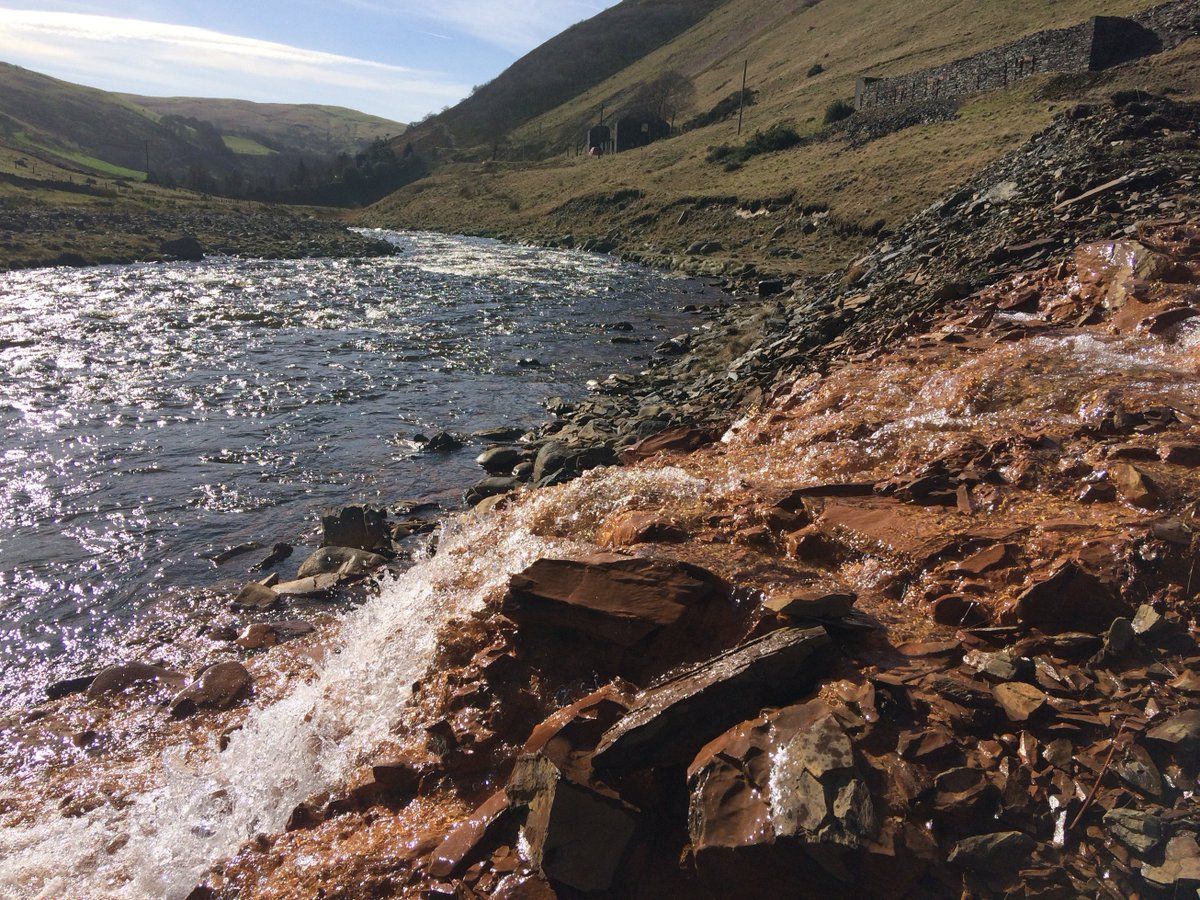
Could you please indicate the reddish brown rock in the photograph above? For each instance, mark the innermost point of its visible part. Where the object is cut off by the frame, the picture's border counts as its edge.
(315, 586)
(569, 736)
(1019, 700)
(524, 887)
(1134, 486)
(472, 839)
(958, 611)
(258, 636)
(262, 635)
(998, 853)
(674, 440)
(629, 529)
(1070, 599)
(670, 722)
(221, 686)
(997, 556)
(619, 602)
(1164, 321)
(1180, 454)
(1180, 870)
(811, 545)
(892, 528)
(256, 597)
(575, 833)
(821, 601)
(782, 800)
(781, 775)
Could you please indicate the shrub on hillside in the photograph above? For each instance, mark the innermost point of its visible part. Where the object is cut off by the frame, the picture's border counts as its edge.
(837, 111)
(776, 138)
(816, 70)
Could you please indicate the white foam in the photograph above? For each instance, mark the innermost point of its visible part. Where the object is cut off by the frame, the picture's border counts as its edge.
(200, 813)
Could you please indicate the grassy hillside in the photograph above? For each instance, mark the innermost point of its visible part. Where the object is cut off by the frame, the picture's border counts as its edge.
(210, 144)
(278, 127)
(804, 209)
(566, 66)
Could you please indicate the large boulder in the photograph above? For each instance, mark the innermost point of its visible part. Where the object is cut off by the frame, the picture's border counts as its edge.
(500, 460)
(186, 249)
(358, 527)
(670, 722)
(606, 605)
(341, 561)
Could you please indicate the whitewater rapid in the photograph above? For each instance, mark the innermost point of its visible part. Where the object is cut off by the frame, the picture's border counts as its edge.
(197, 814)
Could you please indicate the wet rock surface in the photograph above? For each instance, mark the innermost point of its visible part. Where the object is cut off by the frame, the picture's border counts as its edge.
(921, 622)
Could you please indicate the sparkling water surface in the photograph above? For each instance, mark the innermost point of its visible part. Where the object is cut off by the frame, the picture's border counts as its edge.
(151, 414)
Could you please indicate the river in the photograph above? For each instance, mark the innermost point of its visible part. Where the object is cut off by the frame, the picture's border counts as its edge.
(152, 414)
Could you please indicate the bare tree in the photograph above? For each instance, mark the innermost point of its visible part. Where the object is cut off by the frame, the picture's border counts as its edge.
(666, 96)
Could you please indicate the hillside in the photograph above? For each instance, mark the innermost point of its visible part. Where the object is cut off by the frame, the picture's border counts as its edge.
(279, 127)
(565, 67)
(209, 145)
(801, 210)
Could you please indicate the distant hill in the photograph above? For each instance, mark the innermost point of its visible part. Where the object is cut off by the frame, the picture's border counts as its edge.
(212, 145)
(566, 66)
(254, 128)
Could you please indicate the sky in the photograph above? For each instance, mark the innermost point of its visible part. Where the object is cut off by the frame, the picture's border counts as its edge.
(400, 59)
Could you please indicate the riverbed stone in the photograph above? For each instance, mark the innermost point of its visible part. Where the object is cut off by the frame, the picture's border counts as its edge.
(341, 561)
(117, 679)
(311, 587)
(997, 853)
(219, 687)
(1138, 830)
(256, 597)
(490, 487)
(559, 809)
(500, 460)
(1070, 599)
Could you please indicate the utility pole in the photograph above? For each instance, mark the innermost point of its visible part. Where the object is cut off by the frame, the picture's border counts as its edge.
(742, 97)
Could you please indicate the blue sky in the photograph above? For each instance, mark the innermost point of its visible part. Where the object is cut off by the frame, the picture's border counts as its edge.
(395, 58)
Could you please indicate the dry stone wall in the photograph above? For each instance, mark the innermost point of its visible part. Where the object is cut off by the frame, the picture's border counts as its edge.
(1099, 43)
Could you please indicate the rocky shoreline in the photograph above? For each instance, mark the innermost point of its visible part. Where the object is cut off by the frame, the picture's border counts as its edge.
(882, 582)
(34, 237)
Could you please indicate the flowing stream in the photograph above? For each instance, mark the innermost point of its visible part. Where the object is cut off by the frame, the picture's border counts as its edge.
(153, 414)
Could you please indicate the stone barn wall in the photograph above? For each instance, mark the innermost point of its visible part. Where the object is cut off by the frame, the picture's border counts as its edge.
(1096, 44)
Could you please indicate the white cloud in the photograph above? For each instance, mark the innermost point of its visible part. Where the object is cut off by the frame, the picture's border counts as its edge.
(515, 25)
(152, 57)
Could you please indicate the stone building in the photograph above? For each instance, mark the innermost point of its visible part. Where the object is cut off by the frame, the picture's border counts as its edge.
(636, 130)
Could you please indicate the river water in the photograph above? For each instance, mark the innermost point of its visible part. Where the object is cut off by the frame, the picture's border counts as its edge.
(151, 414)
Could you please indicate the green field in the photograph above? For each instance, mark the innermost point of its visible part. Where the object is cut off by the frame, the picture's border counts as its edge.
(244, 146)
